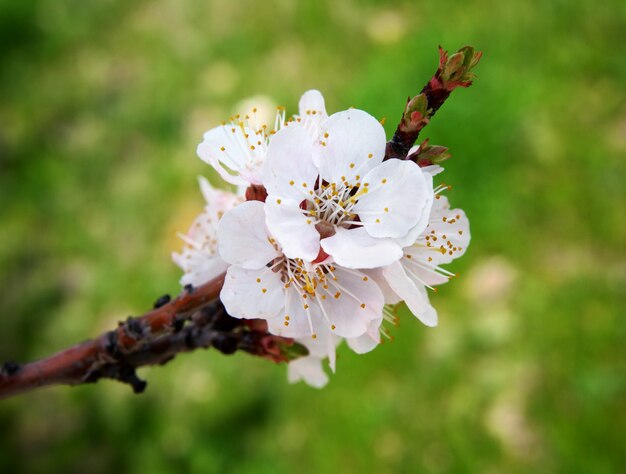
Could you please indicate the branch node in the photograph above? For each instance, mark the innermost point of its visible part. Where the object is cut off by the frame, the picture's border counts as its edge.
(134, 327)
(177, 323)
(128, 375)
(112, 344)
(162, 301)
(226, 343)
(10, 368)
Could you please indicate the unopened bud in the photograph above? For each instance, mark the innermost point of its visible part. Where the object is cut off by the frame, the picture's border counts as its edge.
(427, 155)
(416, 113)
(292, 351)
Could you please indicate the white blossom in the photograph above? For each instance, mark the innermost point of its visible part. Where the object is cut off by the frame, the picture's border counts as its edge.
(199, 258)
(237, 150)
(341, 236)
(335, 195)
(297, 298)
(445, 238)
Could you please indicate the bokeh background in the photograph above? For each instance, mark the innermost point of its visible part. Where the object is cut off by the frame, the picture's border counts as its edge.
(101, 106)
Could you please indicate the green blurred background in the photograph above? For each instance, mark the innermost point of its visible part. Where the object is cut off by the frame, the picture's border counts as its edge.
(101, 106)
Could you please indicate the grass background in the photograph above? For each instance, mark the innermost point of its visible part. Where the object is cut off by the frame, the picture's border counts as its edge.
(101, 106)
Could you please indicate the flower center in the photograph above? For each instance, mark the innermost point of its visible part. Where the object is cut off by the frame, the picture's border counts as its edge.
(332, 204)
(315, 284)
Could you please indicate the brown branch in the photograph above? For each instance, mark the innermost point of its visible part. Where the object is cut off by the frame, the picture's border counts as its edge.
(195, 319)
(453, 71)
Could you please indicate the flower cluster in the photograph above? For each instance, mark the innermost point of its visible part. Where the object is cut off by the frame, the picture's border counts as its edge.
(331, 233)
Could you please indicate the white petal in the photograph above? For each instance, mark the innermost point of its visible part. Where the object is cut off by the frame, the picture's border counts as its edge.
(252, 294)
(413, 149)
(367, 341)
(422, 272)
(308, 369)
(230, 150)
(450, 228)
(289, 170)
(352, 302)
(432, 170)
(355, 248)
(424, 219)
(217, 200)
(312, 111)
(430, 314)
(352, 142)
(243, 238)
(397, 197)
(199, 267)
(312, 101)
(323, 346)
(300, 317)
(294, 231)
(411, 292)
(377, 275)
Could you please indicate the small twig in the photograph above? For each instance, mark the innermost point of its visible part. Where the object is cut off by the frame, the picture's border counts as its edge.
(453, 71)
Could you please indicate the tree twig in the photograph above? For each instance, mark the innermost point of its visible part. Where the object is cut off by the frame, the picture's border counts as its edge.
(453, 71)
(195, 319)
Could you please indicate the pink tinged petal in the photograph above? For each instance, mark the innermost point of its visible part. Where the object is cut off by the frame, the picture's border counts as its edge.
(294, 230)
(252, 294)
(289, 170)
(397, 198)
(352, 302)
(238, 159)
(355, 248)
(243, 238)
(367, 341)
(352, 142)
(412, 292)
(308, 369)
